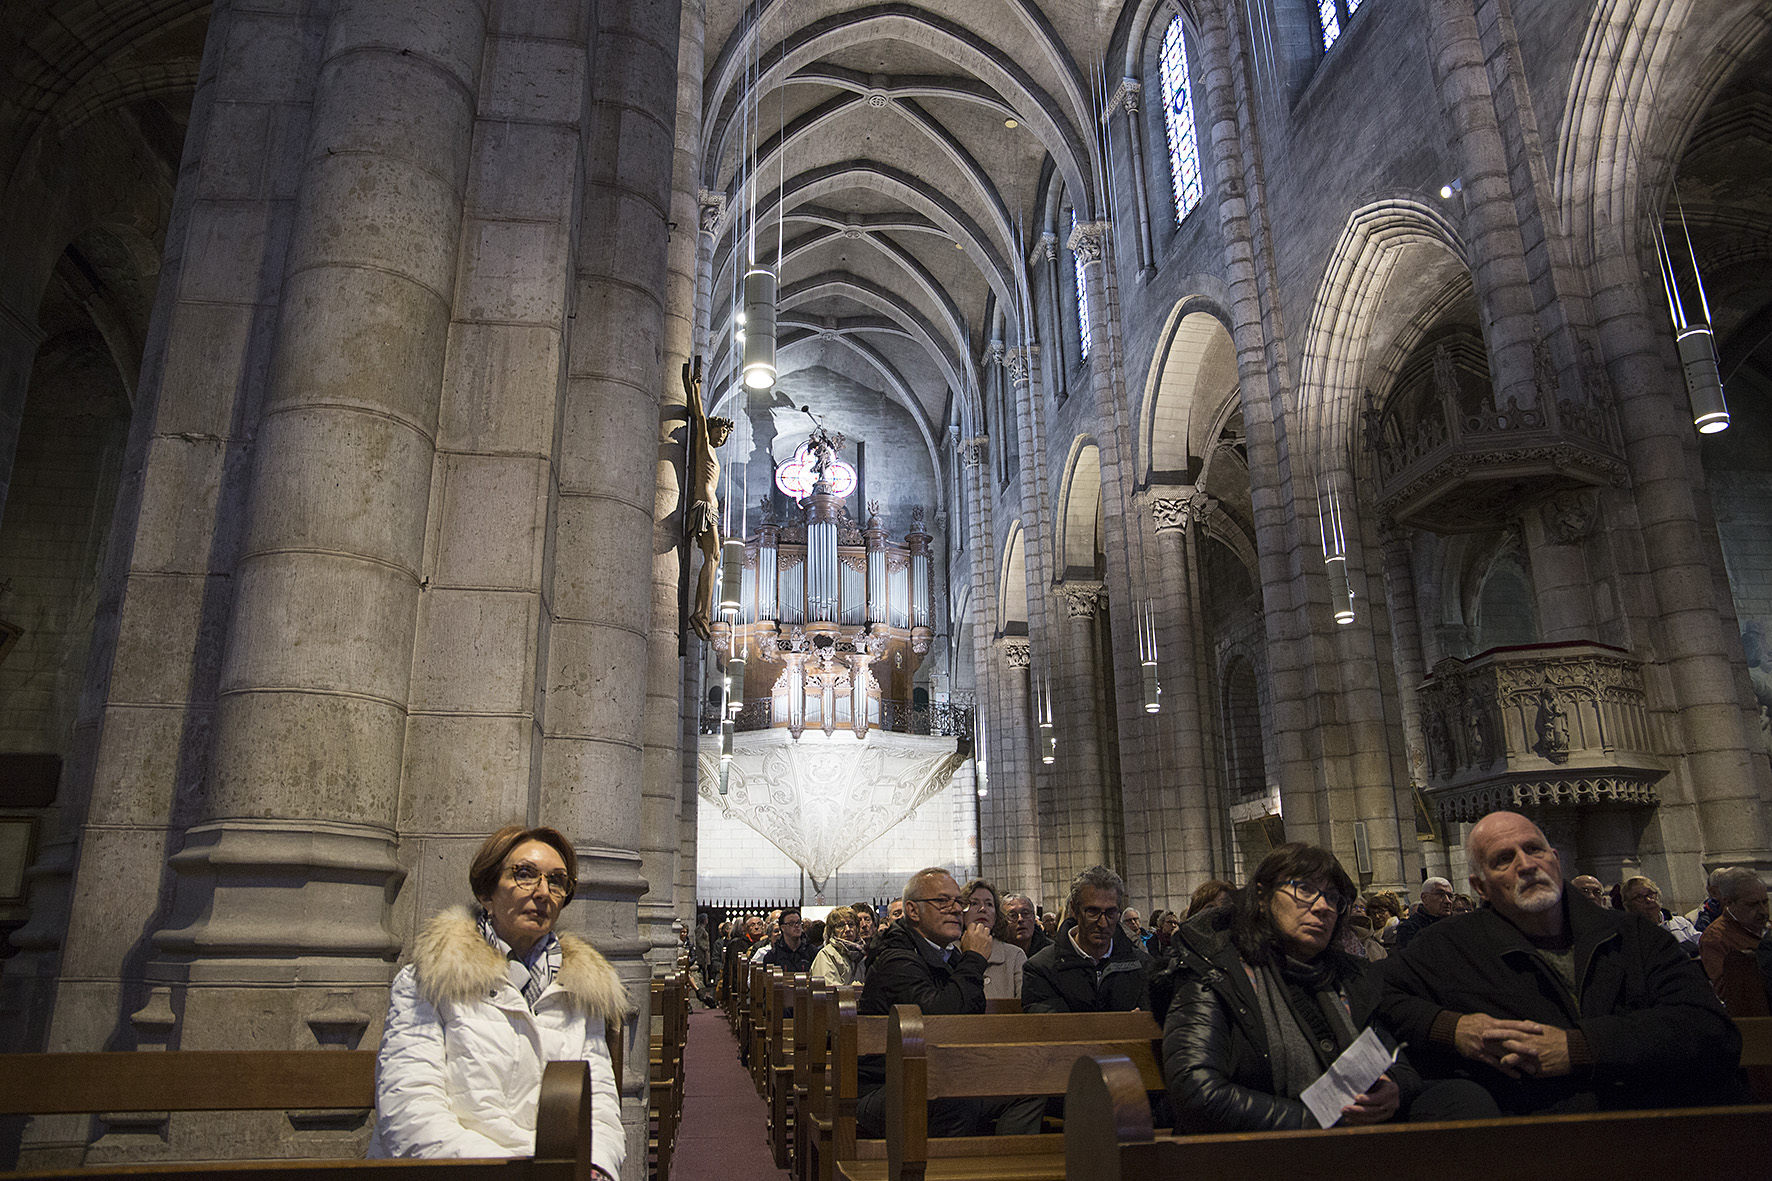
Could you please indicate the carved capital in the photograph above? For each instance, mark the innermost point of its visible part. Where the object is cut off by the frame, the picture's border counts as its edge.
(1082, 599)
(1191, 506)
(974, 450)
(1568, 516)
(994, 353)
(1020, 362)
(1017, 652)
(1126, 96)
(1169, 513)
(1046, 248)
(713, 210)
(1087, 239)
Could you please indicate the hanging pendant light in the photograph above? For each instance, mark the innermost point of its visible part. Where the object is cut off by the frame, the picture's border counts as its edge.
(735, 685)
(731, 578)
(1695, 341)
(1043, 715)
(759, 328)
(1147, 656)
(1704, 380)
(1333, 532)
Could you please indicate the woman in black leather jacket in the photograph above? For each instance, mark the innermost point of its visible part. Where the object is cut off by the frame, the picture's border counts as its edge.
(1262, 1000)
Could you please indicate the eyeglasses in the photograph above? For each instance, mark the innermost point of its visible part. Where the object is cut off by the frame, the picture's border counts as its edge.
(1306, 895)
(527, 877)
(942, 902)
(1095, 914)
(1436, 892)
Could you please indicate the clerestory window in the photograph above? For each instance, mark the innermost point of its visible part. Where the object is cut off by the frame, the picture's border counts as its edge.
(1178, 120)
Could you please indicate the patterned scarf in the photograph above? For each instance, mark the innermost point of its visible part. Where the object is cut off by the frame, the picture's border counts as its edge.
(533, 975)
(1293, 1053)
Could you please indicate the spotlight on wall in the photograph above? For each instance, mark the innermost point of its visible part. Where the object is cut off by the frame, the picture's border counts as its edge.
(1456, 185)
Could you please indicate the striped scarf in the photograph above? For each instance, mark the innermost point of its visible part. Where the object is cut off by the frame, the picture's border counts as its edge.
(533, 975)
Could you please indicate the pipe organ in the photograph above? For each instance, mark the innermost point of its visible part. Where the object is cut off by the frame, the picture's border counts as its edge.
(833, 620)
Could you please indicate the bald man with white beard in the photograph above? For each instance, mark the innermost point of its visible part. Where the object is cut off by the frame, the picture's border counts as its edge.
(1552, 1003)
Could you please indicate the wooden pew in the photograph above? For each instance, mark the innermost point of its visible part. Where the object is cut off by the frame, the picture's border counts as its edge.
(811, 1056)
(778, 1082)
(1108, 1137)
(936, 1057)
(262, 1080)
(670, 1019)
(757, 1029)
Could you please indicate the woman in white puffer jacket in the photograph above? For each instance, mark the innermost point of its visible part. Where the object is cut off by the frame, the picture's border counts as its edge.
(490, 998)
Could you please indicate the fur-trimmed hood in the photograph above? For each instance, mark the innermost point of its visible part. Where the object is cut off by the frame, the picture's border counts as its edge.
(453, 963)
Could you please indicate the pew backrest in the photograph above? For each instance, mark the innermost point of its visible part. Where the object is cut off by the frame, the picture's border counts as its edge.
(270, 1080)
(1022, 1054)
(1108, 1137)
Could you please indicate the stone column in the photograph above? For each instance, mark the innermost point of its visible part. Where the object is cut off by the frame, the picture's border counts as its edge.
(602, 572)
(1258, 331)
(286, 877)
(1555, 533)
(1182, 802)
(662, 775)
(479, 667)
(1085, 821)
(1035, 503)
(1127, 98)
(146, 709)
(1013, 748)
(1125, 573)
(1411, 670)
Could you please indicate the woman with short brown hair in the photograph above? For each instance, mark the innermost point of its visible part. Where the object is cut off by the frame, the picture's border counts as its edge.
(492, 995)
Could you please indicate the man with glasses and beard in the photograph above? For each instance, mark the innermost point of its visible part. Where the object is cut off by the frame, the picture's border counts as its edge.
(1094, 966)
(1553, 1005)
(931, 959)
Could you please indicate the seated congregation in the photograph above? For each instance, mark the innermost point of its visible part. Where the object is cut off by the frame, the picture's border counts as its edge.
(1536, 1003)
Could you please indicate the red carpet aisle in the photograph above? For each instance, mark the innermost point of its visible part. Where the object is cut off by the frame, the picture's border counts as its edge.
(725, 1125)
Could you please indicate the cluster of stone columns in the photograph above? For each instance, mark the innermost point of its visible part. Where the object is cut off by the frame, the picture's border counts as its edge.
(386, 582)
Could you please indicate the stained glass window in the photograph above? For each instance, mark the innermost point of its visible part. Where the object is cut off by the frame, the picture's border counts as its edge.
(1331, 21)
(1333, 16)
(1178, 121)
(1082, 295)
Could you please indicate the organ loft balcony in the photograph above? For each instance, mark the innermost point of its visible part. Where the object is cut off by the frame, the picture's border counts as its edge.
(1449, 460)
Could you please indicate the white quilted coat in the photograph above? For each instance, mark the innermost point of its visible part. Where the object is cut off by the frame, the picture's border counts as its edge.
(459, 1073)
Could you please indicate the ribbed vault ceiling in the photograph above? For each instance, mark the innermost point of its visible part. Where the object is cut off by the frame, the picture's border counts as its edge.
(865, 147)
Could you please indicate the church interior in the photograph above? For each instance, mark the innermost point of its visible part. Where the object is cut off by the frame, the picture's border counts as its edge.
(1154, 430)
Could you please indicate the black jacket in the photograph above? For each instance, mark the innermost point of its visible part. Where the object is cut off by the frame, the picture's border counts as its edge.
(1651, 1031)
(1061, 979)
(1414, 923)
(1215, 1045)
(793, 960)
(903, 969)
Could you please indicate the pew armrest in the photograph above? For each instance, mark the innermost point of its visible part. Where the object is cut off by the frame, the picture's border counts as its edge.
(1105, 1106)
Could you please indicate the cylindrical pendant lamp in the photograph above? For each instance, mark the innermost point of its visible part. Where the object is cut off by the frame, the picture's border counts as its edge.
(734, 686)
(759, 328)
(731, 578)
(1341, 593)
(1704, 383)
